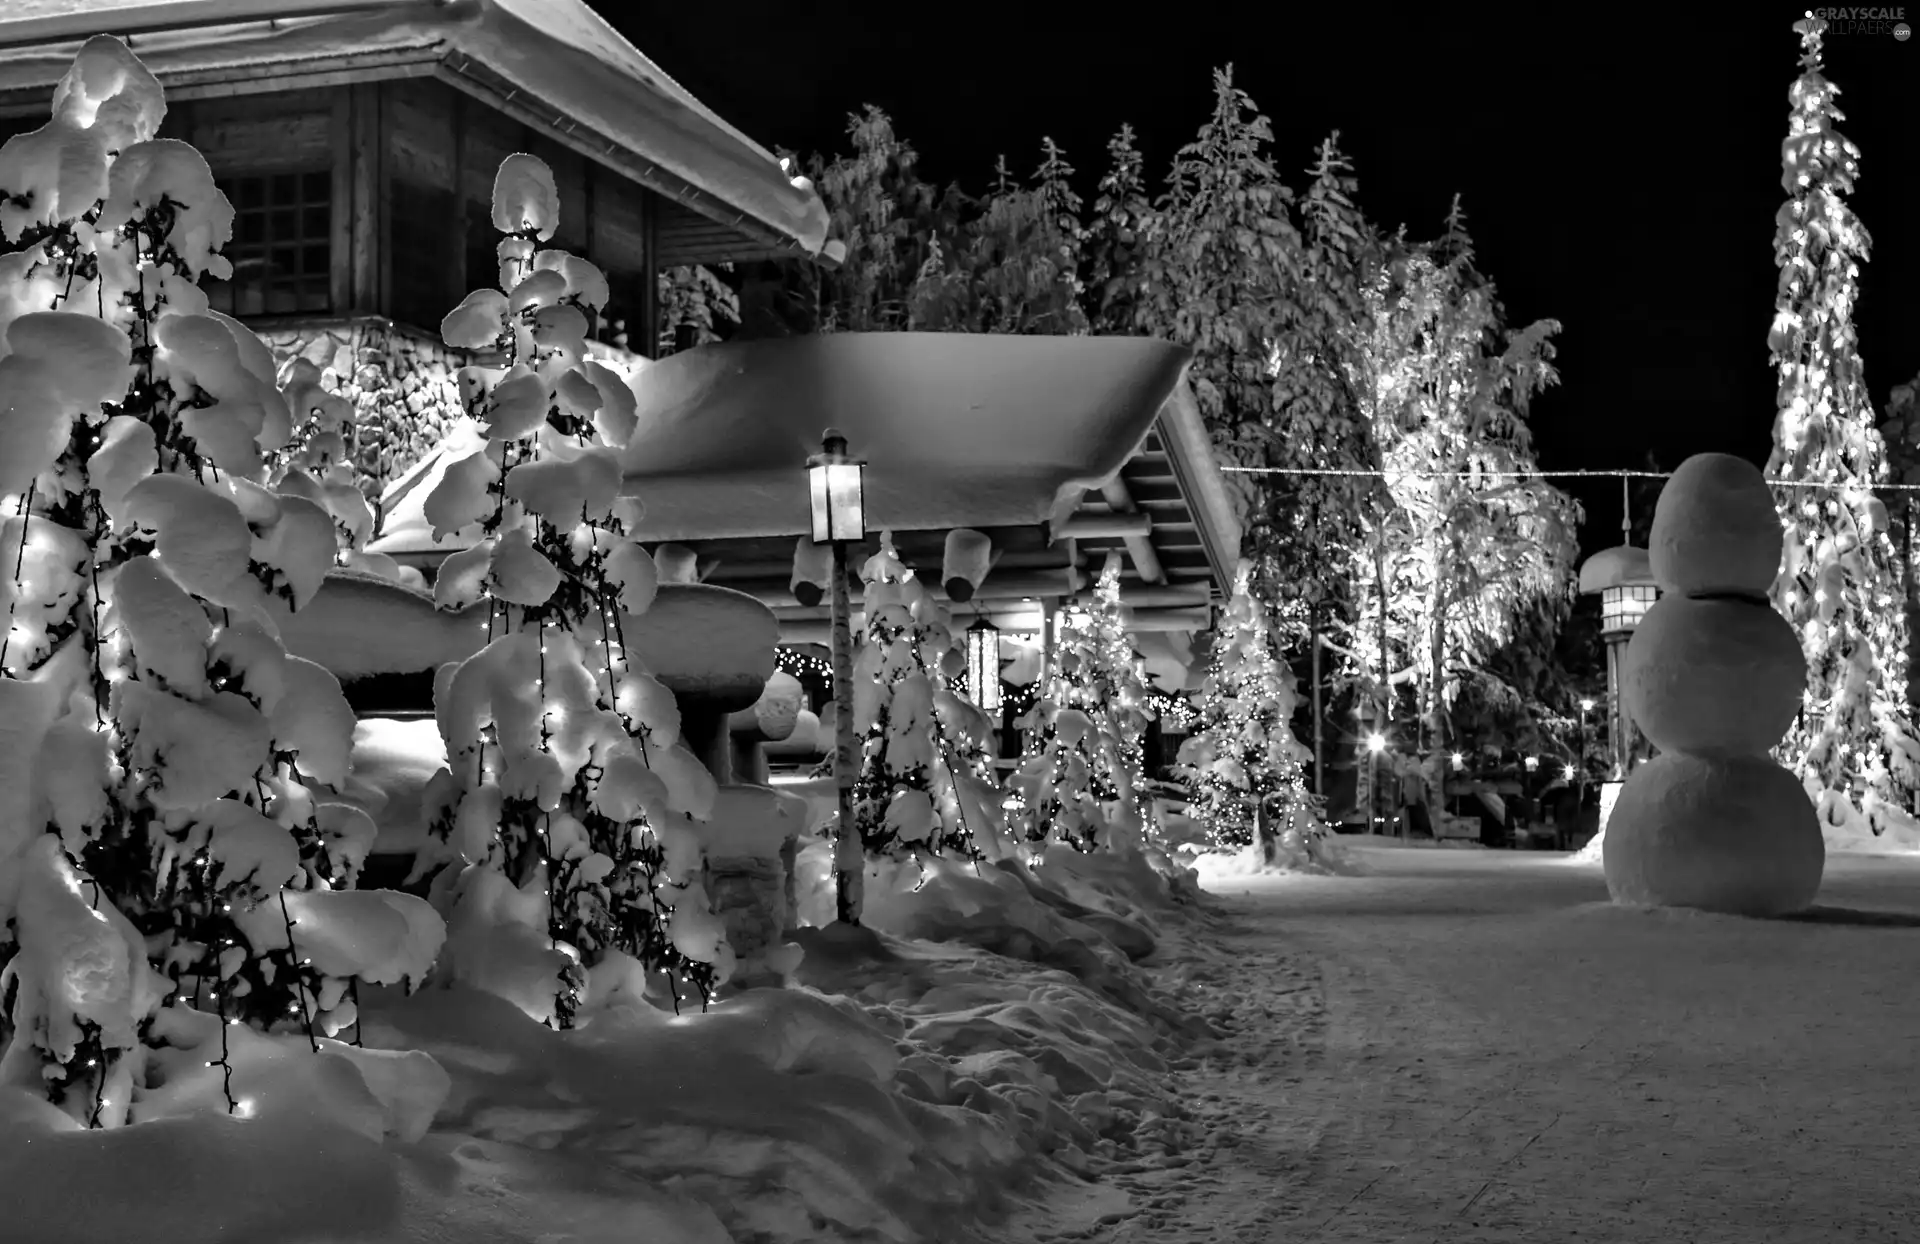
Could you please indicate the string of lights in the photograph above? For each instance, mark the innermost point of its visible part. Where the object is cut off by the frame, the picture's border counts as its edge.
(1378, 473)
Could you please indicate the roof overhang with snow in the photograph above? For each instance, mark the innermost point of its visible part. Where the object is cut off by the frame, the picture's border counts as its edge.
(1063, 450)
(554, 65)
(1615, 567)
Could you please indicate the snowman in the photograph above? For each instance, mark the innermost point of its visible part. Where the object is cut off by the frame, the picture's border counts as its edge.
(1714, 677)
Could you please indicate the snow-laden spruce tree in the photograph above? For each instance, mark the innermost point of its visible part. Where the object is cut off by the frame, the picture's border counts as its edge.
(1854, 745)
(569, 800)
(170, 854)
(916, 793)
(1079, 775)
(1243, 757)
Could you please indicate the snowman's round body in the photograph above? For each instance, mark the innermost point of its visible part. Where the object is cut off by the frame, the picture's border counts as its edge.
(1713, 677)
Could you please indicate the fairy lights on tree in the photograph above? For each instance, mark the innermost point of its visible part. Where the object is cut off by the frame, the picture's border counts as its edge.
(1078, 779)
(171, 863)
(919, 787)
(1243, 755)
(1853, 745)
(569, 800)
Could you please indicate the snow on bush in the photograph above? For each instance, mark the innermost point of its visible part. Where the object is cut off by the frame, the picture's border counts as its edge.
(564, 810)
(166, 836)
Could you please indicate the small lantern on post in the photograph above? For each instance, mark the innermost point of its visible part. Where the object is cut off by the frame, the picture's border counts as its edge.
(983, 665)
(836, 492)
(836, 487)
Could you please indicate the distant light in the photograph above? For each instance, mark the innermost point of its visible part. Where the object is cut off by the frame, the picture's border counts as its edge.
(1533, 762)
(1586, 705)
(1569, 773)
(1459, 761)
(1376, 742)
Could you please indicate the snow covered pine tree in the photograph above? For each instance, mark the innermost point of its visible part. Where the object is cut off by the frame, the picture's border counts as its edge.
(1853, 746)
(1243, 756)
(1082, 765)
(568, 803)
(914, 795)
(171, 863)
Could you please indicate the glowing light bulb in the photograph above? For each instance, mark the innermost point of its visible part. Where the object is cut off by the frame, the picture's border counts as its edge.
(1376, 743)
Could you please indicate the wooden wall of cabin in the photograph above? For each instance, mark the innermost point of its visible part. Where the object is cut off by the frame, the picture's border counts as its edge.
(375, 198)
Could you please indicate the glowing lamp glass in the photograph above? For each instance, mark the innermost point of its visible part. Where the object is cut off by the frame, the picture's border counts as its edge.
(1376, 743)
(983, 664)
(836, 492)
(1623, 605)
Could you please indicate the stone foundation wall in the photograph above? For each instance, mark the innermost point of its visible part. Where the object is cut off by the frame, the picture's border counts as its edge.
(400, 380)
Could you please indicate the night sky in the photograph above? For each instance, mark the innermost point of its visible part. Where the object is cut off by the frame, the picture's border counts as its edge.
(1620, 171)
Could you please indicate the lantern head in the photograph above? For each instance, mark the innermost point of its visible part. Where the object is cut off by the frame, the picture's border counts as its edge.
(836, 492)
(1623, 605)
(1376, 742)
(983, 664)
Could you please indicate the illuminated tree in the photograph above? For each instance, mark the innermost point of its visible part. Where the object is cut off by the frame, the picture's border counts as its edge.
(568, 803)
(1853, 745)
(171, 863)
(1080, 775)
(914, 792)
(1243, 756)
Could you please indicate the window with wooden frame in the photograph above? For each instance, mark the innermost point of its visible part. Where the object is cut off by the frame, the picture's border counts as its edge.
(282, 245)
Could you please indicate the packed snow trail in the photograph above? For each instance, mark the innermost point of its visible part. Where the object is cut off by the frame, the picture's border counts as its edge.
(1466, 1046)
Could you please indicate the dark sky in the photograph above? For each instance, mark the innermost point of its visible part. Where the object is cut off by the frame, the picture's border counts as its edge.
(1620, 169)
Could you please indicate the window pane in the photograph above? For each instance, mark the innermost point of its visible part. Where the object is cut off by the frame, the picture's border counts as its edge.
(315, 222)
(318, 187)
(249, 300)
(283, 188)
(286, 225)
(245, 191)
(313, 261)
(250, 228)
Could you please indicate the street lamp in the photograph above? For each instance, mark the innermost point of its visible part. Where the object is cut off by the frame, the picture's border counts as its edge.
(1623, 579)
(1376, 744)
(836, 493)
(1586, 706)
(983, 665)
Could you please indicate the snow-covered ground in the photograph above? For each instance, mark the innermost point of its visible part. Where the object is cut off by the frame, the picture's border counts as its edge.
(1466, 1046)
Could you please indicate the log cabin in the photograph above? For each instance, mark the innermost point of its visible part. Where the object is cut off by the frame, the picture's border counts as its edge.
(358, 140)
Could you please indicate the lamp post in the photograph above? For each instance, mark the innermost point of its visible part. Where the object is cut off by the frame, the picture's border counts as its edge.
(1319, 714)
(1623, 579)
(1586, 706)
(836, 493)
(1376, 743)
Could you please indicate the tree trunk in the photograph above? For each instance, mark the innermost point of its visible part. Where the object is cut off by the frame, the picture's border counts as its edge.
(1434, 705)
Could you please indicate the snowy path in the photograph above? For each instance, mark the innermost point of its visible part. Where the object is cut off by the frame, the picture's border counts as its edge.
(1466, 1047)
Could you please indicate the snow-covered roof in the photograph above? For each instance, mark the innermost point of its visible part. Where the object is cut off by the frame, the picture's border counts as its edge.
(602, 93)
(1615, 566)
(957, 429)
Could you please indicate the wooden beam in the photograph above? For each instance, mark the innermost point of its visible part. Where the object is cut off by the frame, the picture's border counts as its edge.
(367, 199)
(340, 244)
(456, 246)
(998, 589)
(800, 630)
(1085, 526)
(649, 327)
(1139, 547)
